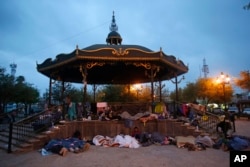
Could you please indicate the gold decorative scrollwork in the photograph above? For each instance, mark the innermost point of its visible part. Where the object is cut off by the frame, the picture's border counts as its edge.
(92, 64)
(145, 65)
(120, 52)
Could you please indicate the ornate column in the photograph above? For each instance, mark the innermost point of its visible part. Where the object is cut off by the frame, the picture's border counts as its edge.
(83, 70)
(151, 74)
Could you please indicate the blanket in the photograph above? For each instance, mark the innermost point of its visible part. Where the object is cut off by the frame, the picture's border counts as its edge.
(205, 140)
(125, 141)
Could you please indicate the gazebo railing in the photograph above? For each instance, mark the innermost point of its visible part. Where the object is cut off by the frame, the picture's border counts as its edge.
(20, 131)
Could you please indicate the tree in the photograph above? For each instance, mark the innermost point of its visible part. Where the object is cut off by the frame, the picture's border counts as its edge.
(114, 93)
(56, 92)
(120, 93)
(25, 93)
(190, 92)
(247, 7)
(2, 71)
(7, 83)
(211, 91)
(243, 81)
(205, 89)
(16, 90)
(180, 95)
(76, 94)
(20, 89)
(20, 79)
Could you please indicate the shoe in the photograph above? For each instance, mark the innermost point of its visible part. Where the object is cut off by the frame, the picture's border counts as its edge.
(86, 147)
(77, 151)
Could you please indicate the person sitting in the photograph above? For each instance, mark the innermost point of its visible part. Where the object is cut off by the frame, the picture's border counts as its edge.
(224, 127)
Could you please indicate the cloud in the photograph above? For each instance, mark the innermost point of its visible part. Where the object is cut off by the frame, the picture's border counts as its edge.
(32, 31)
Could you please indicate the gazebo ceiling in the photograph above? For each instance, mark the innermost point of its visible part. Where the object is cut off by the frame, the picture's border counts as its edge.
(112, 64)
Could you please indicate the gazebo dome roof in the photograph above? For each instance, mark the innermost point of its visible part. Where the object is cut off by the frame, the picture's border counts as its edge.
(116, 47)
(114, 34)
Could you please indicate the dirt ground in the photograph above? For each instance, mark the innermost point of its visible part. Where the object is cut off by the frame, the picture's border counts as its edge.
(151, 156)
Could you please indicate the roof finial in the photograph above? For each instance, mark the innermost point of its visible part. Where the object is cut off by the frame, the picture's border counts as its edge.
(114, 38)
(113, 26)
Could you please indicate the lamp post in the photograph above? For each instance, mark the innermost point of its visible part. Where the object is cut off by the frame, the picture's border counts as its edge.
(223, 80)
(176, 82)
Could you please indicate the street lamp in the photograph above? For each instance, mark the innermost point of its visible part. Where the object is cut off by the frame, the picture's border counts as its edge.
(223, 80)
(176, 82)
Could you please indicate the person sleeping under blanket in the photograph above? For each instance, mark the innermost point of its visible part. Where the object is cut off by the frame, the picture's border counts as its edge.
(62, 146)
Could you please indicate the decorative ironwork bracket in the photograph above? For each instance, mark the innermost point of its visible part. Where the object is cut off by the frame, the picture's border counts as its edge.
(93, 64)
(153, 71)
(145, 65)
(84, 73)
(120, 52)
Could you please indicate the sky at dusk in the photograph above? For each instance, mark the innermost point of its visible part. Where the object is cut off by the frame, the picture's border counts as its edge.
(191, 30)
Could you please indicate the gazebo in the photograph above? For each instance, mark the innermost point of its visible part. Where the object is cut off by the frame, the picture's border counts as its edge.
(113, 63)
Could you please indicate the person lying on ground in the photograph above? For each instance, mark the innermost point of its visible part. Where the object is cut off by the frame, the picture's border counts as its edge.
(124, 141)
(233, 143)
(62, 146)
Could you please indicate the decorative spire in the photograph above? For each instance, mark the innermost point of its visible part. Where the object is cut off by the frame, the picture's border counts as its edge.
(114, 38)
(113, 26)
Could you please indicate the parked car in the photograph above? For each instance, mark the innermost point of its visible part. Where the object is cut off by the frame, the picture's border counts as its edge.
(10, 107)
(245, 113)
(233, 110)
(218, 111)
